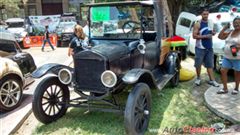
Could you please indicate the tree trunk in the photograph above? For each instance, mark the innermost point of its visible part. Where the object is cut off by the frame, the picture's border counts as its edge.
(174, 7)
(169, 23)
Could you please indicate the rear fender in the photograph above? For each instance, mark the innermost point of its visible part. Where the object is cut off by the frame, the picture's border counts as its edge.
(171, 62)
(49, 68)
(139, 75)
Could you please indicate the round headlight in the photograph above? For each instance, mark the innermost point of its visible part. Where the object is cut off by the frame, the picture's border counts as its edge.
(109, 79)
(65, 76)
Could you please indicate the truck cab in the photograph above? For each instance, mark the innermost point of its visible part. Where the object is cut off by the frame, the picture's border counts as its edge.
(17, 27)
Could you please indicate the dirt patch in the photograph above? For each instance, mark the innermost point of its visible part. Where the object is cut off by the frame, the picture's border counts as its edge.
(28, 126)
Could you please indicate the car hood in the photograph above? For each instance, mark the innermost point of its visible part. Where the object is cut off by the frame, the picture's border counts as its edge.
(16, 30)
(111, 51)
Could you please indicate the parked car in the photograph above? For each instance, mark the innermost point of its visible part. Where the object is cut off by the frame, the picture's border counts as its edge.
(184, 28)
(65, 29)
(15, 72)
(17, 27)
(125, 52)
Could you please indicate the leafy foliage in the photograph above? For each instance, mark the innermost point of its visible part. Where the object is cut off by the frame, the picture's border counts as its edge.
(11, 6)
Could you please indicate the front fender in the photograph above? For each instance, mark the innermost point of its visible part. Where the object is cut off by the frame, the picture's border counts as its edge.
(49, 68)
(139, 75)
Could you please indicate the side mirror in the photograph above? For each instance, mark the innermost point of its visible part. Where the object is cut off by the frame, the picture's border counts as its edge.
(141, 47)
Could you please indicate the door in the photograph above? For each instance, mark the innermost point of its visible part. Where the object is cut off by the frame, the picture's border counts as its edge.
(185, 24)
(24, 60)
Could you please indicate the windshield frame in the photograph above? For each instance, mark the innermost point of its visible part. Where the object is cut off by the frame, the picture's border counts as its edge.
(117, 4)
(15, 24)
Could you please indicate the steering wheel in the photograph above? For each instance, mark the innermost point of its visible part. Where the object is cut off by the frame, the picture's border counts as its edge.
(132, 25)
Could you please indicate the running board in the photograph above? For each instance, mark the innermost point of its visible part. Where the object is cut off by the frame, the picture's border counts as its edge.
(164, 80)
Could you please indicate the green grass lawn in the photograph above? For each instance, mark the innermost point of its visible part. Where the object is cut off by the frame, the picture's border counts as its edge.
(171, 108)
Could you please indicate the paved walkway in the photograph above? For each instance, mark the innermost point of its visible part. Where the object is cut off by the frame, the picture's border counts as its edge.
(226, 106)
(11, 121)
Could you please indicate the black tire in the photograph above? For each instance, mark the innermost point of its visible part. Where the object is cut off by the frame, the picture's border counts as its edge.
(138, 110)
(175, 80)
(65, 43)
(10, 93)
(59, 43)
(54, 92)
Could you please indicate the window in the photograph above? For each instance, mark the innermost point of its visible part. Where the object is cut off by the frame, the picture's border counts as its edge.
(185, 22)
(7, 46)
(15, 24)
(32, 10)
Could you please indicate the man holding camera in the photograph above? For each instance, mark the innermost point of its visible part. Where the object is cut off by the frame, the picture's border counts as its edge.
(202, 32)
(231, 58)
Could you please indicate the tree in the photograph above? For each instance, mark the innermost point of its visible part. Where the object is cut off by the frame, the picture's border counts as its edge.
(11, 6)
(173, 8)
(163, 4)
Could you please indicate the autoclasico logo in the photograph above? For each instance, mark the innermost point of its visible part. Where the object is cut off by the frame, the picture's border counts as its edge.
(185, 130)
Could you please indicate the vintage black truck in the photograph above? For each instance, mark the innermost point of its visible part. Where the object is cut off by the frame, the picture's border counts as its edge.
(126, 49)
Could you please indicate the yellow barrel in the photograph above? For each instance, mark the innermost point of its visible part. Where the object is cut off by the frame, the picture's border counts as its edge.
(186, 74)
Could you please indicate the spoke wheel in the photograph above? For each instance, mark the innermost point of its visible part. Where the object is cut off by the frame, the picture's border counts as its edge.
(10, 93)
(138, 109)
(50, 99)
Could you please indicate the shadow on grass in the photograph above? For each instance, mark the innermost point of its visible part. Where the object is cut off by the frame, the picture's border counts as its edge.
(77, 122)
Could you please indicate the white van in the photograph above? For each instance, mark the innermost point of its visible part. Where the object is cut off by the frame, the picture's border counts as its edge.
(184, 28)
(17, 27)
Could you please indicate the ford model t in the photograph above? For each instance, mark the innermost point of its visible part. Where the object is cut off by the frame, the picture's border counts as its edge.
(126, 49)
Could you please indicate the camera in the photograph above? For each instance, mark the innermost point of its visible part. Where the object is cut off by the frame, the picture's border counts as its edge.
(234, 50)
(228, 25)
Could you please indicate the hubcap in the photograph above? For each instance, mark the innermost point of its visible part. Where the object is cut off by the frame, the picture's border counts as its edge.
(10, 93)
(52, 96)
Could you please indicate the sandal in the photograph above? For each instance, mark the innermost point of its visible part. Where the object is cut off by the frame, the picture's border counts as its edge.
(234, 92)
(222, 91)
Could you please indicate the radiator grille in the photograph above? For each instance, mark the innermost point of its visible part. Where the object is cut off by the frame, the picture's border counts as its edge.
(88, 74)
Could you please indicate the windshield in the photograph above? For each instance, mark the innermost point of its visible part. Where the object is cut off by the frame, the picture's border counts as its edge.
(15, 24)
(67, 25)
(115, 22)
(7, 47)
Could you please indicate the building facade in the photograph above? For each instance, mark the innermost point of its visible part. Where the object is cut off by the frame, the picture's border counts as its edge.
(44, 7)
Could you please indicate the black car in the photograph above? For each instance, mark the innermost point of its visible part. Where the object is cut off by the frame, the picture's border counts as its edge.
(65, 29)
(125, 51)
(13, 77)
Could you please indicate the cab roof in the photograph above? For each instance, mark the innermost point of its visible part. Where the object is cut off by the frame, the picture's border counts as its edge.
(14, 20)
(7, 36)
(122, 3)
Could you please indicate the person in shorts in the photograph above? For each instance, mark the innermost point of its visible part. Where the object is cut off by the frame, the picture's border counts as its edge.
(203, 50)
(231, 58)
